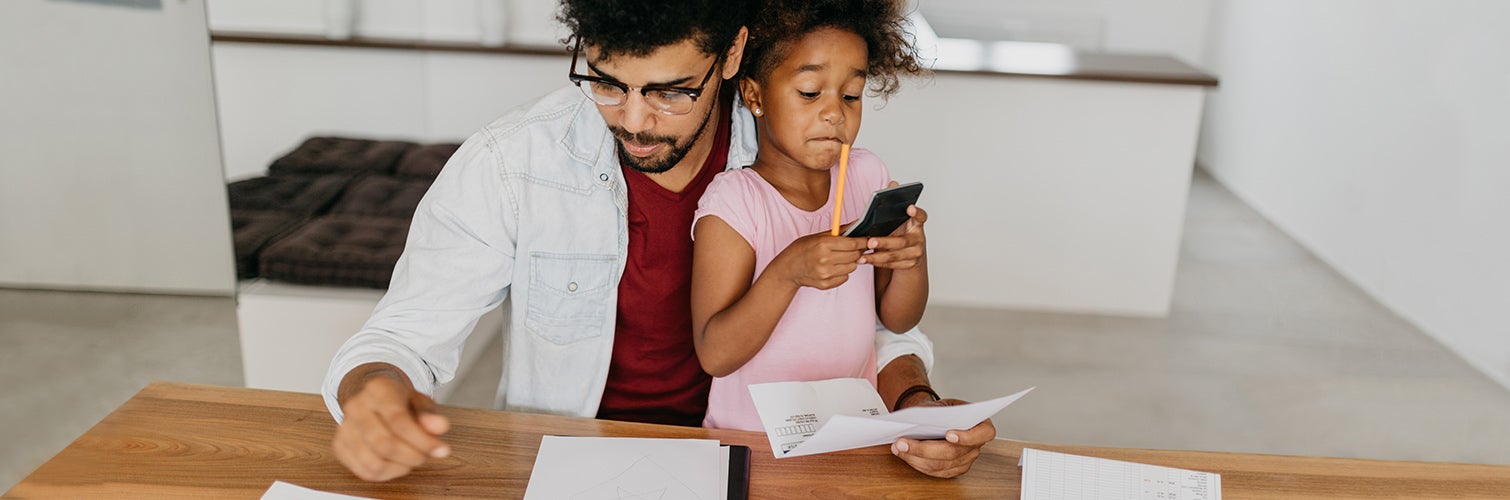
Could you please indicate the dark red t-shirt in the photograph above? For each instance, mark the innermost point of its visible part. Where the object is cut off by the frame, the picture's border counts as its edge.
(655, 376)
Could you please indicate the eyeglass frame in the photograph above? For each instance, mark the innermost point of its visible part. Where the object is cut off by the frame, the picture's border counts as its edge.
(690, 92)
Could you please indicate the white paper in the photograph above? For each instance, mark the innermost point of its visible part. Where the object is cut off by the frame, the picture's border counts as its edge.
(1048, 475)
(792, 412)
(807, 418)
(284, 491)
(597, 468)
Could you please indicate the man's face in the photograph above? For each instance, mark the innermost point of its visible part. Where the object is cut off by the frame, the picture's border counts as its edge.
(649, 140)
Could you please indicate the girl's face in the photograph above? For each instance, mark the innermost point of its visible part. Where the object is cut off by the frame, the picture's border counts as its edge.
(810, 102)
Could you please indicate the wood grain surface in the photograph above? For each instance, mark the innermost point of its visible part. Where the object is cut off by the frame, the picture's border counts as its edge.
(190, 441)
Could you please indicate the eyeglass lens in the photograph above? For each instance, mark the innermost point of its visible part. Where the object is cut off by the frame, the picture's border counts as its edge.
(665, 101)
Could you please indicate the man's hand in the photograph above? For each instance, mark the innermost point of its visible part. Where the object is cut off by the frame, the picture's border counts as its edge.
(951, 456)
(389, 428)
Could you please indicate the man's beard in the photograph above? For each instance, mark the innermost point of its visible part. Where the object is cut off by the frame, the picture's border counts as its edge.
(652, 165)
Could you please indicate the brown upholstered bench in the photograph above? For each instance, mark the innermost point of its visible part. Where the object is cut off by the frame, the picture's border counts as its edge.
(425, 161)
(338, 250)
(349, 202)
(253, 230)
(323, 155)
(384, 196)
(296, 194)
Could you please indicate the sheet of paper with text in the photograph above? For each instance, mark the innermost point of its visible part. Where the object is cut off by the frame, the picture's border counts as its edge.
(1048, 475)
(806, 418)
(792, 412)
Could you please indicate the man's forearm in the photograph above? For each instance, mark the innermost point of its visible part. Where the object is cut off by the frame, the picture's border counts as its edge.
(352, 383)
(899, 375)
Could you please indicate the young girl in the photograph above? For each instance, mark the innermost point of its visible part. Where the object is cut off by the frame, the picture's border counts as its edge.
(774, 297)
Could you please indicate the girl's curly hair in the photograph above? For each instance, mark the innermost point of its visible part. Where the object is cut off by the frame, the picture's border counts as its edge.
(777, 24)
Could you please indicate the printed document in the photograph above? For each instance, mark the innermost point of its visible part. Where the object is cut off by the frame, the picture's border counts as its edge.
(1047, 475)
(807, 418)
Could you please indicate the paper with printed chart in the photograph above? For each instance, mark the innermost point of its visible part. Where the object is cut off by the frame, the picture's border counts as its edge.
(600, 468)
(1048, 475)
(807, 418)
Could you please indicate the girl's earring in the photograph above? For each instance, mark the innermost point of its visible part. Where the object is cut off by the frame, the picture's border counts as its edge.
(757, 112)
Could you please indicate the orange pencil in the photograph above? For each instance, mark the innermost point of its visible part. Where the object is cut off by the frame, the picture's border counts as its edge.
(839, 193)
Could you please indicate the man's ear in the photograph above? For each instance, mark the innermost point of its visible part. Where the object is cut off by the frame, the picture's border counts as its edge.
(736, 54)
(749, 91)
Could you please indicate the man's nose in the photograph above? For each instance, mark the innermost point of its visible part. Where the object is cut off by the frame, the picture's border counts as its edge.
(637, 115)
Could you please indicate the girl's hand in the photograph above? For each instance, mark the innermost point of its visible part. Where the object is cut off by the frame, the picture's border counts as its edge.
(904, 249)
(820, 261)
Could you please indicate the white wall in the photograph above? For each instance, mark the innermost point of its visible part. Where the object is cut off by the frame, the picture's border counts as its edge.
(526, 21)
(110, 173)
(1377, 133)
(1174, 27)
(272, 97)
(1057, 195)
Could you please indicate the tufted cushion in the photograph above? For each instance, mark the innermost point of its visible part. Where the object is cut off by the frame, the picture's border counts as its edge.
(338, 250)
(296, 194)
(253, 230)
(383, 195)
(319, 155)
(425, 161)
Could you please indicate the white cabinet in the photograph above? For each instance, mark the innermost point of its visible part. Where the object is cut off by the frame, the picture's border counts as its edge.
(290, 332)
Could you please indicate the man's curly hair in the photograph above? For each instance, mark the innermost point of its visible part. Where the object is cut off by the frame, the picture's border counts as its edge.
(780, 23)
(636, 29)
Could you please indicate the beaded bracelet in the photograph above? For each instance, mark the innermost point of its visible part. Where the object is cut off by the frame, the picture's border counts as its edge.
(914, 390)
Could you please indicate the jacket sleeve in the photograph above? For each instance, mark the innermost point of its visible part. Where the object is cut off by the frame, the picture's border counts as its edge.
(457, 264)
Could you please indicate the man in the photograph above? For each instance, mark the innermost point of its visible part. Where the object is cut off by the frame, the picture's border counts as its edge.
(578, 209)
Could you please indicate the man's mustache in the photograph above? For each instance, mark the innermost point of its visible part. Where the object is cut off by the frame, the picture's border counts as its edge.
(642, 139)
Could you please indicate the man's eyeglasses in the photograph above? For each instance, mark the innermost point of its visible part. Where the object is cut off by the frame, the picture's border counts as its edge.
(663, 98)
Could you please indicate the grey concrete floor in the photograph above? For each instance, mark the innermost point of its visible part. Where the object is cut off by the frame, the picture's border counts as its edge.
(1267, 350)
(68, 359)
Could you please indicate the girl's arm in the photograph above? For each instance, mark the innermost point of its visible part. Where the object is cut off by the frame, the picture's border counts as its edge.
(732, 317)
(901, 263)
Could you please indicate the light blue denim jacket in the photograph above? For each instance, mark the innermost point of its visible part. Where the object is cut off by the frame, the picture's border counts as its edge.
(532, 209)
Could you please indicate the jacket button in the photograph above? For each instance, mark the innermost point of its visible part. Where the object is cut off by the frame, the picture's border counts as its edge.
(603, 177)
(571, 287)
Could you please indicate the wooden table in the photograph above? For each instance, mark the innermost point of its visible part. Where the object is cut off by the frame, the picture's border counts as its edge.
(193, 441)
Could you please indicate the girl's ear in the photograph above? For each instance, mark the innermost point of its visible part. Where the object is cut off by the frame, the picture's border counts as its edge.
(749, 91)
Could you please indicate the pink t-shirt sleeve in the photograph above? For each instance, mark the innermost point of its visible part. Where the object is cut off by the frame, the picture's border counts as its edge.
(730, 198)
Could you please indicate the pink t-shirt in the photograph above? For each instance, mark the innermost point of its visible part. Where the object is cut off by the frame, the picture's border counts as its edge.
(825, 333)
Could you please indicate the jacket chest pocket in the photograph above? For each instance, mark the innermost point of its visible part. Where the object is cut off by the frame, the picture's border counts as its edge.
(569, 293)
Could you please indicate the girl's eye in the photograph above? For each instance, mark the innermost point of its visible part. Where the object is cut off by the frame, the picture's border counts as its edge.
(851, 98)
(808, 95)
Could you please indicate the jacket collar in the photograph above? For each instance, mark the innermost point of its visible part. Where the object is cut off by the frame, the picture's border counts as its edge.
(742, 143)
